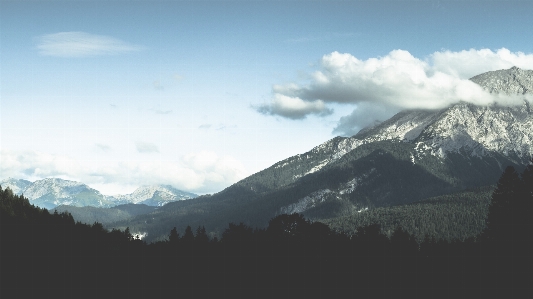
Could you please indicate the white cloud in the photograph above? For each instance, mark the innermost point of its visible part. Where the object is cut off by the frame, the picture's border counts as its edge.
(293, 107)
(468, 63)
(365, 114)
(33, 165)
(382, 86)
(80, 44)
(201, 172)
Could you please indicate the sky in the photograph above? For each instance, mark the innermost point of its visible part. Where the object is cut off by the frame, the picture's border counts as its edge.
(201, 94)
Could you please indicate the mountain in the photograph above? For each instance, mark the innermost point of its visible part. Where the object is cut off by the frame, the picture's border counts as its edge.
(52, 192)
(89, 214)
(511, 81)
(16, 185)
(156, 195)
(413, 156)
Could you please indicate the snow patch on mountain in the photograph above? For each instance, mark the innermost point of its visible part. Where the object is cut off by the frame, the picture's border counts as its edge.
(463, 126)
(511, 81)
(58, 188)
(306, 203)
(16, 185)
(156, 195)
(351, 185)
(318, 167)
(51, 192)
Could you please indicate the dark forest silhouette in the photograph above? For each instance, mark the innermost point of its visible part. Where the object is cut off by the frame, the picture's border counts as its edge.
(44, 254)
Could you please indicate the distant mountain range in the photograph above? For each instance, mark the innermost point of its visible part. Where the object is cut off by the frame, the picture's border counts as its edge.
(413, 156)
(51, 192)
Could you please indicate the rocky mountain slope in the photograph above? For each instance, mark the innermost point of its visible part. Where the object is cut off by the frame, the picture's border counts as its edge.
(51, 192)
(412, 156)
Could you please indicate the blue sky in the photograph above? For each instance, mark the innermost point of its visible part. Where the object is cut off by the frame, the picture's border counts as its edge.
(200, 94)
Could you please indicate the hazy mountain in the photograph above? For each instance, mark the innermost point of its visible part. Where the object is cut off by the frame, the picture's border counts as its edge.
(156, 195)
(51, 192)
(105, 216)
(414, 155)
(16, 185)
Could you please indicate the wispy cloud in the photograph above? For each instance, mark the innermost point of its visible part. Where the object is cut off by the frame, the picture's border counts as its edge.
(160, 111)
(146, 147)
(81, 44)
(103, 147)
(204, 126)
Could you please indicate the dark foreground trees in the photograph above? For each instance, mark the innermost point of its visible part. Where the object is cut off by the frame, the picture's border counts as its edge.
(49, 254)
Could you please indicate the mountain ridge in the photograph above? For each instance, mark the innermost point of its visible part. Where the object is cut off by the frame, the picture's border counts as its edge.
(414, 155)
(51, 192)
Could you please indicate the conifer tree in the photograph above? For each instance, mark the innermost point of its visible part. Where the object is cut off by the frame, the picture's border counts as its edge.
(188, 236)
(500, 216)
(201, 235)
(173, 237)
(527, 194)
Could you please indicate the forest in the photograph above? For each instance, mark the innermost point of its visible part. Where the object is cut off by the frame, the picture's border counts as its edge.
(45, 253)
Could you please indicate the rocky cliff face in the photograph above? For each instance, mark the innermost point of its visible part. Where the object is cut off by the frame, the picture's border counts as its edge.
(476, 129)
(512, 81)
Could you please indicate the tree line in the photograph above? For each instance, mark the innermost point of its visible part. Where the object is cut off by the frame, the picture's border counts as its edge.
(49, 253)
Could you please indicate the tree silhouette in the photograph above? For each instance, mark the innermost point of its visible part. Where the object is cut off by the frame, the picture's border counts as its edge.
(240, 232)
(188, 236)
(201, 236)
(525, 203)
(173, 237)
(500, 216)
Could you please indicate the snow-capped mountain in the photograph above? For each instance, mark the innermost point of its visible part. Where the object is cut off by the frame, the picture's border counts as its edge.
(478, 130)
(16, 185)
(156, 195)
(410, 157)
(51, 192)
(511, 81)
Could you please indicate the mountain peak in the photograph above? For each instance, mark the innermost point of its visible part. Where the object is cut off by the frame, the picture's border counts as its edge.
(51, 192)
(506, 81)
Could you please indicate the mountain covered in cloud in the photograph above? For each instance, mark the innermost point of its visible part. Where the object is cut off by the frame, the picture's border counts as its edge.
(413, 156)
(513, 81)
(51, 192)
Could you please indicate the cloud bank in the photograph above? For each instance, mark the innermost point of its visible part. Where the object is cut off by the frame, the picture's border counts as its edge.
(201, 172)
(379, 87)
(81, 44)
